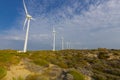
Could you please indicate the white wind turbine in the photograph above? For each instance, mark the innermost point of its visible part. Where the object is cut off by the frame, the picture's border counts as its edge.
(62, 38)
(26, 23)
(54, 36)
(68, 45)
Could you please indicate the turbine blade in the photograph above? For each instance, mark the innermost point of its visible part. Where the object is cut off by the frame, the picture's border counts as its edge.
(25, 23)
(25, 7)
(33, 19)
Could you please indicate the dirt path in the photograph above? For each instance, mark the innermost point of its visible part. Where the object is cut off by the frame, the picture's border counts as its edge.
(17, 71)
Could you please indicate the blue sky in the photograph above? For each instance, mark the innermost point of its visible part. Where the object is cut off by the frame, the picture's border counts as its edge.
(83, 23)
(9, 12)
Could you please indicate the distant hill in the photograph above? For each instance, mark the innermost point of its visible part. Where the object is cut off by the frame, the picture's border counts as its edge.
(95, 64)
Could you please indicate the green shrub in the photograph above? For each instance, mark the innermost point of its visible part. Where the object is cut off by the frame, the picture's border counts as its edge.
(7, 59)
(99, 77)
(62, 65)
(113, 71)
(3, 72)
(103, 55)
(41, 62)
(77, 75)
(36, 77)
(19, 78)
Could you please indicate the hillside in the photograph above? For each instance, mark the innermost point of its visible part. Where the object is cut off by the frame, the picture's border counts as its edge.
(97, 64)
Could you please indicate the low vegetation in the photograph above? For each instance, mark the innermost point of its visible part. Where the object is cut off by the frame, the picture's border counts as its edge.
(2, 72)
(99, 64)
(77, 75)
(8, 57)
(36, 77)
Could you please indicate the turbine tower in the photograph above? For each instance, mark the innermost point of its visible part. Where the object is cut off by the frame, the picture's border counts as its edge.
(54, 36)
(62, 43)
(68, 45)
(26, 23)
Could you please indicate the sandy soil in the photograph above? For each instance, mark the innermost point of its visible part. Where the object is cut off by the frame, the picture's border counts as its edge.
(17, 71)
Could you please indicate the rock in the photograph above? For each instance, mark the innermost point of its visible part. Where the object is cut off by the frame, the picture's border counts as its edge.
(70, 77)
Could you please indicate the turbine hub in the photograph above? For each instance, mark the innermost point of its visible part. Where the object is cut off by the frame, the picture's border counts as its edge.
(54, 31)
(29, 16)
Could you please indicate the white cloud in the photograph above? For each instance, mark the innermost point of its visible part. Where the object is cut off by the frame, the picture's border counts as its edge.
(97, 27)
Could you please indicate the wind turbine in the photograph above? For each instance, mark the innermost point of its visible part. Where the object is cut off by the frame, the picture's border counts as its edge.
(54, 36)
(62, 43)
(26, 23)
(68, 45)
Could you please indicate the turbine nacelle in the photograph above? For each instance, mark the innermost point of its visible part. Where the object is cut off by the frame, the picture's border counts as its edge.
(54, 30)
(28, 16)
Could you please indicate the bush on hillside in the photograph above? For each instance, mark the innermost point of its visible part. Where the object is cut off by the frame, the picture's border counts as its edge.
(76, 75)
(41, 62)
(3, 72)
(36, 77)
(7, 59)
(103, 55)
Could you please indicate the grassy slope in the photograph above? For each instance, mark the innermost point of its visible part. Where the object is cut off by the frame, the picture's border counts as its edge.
(100, 64)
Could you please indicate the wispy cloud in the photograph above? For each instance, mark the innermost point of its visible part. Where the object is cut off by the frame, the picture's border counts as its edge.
(91, 23)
